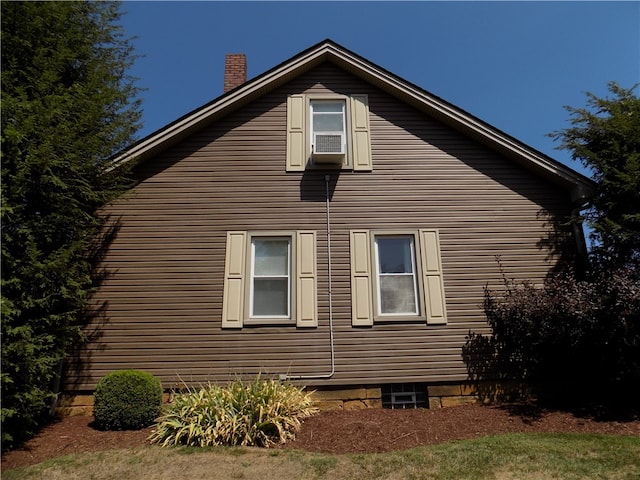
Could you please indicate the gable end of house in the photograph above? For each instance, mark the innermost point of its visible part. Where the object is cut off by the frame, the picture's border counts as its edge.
(580, 187)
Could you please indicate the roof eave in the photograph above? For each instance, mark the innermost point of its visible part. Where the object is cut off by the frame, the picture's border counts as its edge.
(579, 185)
(219, 107)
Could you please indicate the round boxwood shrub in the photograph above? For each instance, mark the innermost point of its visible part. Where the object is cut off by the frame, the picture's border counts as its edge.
(127, 400)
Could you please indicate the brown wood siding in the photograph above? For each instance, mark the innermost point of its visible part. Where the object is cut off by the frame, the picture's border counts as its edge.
(161, 304)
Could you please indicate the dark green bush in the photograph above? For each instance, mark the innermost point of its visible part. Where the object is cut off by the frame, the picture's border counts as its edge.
(127, 400)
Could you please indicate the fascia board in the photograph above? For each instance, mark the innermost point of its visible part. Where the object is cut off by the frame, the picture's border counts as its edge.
(172, 133)
(396, 86)
(464, 122)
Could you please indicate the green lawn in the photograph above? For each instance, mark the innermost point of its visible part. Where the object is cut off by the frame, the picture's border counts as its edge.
(501, 457)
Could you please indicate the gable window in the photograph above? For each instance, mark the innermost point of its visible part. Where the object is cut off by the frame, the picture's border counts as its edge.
(397, 283)
(328, 130)
(270, 278)
(396, 276)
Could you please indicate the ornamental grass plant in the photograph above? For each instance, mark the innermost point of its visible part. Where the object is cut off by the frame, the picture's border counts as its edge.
(257, 413)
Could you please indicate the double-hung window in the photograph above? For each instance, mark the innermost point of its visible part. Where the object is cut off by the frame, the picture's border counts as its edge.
(270, 277)
(328, 128)
(397, 285)
(396, 276)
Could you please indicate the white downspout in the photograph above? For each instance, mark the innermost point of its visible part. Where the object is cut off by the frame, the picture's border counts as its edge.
(327, 178)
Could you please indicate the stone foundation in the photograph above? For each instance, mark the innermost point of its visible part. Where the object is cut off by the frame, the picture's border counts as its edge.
(70, 405)
(347, 398)
(325, 399)
(350, 398)
(451, 395)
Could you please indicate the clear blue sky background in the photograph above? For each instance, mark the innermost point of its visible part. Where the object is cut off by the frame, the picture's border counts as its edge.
(512, 64)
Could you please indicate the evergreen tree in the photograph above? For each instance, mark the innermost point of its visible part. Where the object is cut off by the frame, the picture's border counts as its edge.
(605, 137)
(68, 105)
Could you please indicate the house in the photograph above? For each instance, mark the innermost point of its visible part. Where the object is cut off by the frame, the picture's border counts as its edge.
(326, 222)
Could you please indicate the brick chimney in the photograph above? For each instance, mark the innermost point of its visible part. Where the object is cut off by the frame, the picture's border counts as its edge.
(235, 71)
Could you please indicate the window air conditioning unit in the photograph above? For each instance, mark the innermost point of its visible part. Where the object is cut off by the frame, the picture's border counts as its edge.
(328, 148)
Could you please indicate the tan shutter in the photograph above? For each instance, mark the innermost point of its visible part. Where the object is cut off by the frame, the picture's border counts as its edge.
(234, 281)
(435, 306)
(306, 280)
(361, 306)
(360, 131)
(296, 144)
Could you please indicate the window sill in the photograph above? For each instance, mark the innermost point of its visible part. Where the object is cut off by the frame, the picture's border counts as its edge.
(390, 319)
(267, 322)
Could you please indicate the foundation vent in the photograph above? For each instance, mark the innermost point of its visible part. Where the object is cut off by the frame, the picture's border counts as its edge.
(404, 395)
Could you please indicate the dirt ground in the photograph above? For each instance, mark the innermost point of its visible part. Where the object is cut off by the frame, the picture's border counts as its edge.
(339, 431)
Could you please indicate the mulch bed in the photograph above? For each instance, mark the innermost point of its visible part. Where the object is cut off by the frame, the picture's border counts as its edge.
(348, 431)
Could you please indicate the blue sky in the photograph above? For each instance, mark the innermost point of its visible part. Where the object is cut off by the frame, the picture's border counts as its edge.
(512, 64)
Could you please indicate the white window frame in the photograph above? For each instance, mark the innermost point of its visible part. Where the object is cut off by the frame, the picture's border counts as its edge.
(261, 319)
(343, 113)
(347, 161)
(415, 274)
(365, 310)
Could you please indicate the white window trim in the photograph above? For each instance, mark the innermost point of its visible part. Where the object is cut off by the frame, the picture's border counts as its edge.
(417, 276)
(252, 276)
(347, 162)
(249, 318)
(414, 275)
(312, 129)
